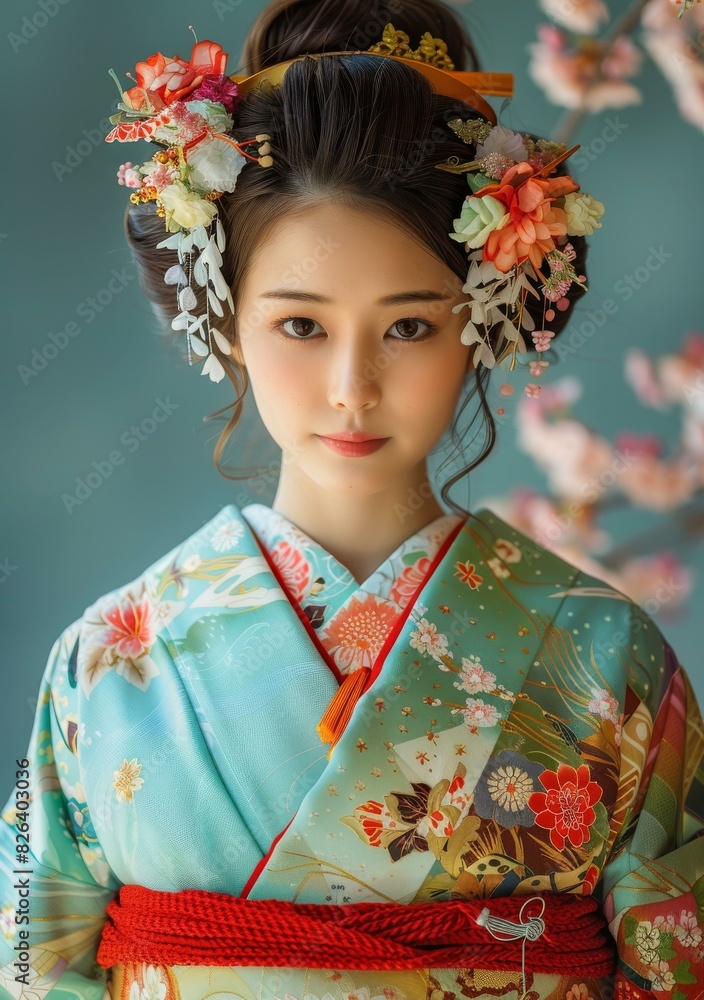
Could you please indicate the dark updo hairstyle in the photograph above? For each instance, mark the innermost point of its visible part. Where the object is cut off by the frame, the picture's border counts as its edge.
(357, 130)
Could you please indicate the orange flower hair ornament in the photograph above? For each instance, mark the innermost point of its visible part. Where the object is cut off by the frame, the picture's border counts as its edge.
(521, 218)
(517, 218)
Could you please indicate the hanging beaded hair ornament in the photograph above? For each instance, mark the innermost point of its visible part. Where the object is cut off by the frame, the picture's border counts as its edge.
(516, 219)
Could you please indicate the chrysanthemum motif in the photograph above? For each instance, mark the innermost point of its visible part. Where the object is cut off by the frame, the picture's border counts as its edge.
(294, 569)
(227, 535)
(408, 581)
(127, 780)
(503, 790)
(354, 636)
(566, 808)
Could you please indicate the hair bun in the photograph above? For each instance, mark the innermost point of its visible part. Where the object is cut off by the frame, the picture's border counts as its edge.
(286, 29)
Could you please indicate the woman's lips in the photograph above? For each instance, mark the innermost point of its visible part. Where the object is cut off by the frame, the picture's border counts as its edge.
(353, 449)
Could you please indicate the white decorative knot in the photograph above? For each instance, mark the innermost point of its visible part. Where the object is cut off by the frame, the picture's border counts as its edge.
(513, 930)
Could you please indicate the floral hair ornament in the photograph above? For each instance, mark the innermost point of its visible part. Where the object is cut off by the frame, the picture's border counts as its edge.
(516, 220)
(188, 108)
(515, 213)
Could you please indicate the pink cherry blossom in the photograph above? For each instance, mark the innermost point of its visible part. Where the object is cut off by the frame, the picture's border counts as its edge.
(583, 16)
(641, 375)
(477, 714)
(474, 678)
(658, 578)
(537, 368)
(659, 485)
(589, 77)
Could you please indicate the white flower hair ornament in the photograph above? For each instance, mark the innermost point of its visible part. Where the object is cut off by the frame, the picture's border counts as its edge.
(516, 218)
(188, 107)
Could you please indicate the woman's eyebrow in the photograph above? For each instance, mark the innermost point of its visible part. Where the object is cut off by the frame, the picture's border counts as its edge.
(423, 295)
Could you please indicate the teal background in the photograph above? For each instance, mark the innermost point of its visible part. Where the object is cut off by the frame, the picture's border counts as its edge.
(61, 242)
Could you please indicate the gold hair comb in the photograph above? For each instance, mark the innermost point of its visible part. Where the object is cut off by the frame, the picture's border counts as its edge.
(430, 59)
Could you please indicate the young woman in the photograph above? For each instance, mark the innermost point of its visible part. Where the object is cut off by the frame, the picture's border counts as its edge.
(353, 745)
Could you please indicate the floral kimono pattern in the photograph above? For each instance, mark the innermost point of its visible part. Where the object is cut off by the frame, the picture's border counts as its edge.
(526, 728)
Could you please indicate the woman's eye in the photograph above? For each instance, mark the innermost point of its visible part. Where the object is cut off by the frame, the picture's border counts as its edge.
(409, 327)
(300, 330)
(303, 328)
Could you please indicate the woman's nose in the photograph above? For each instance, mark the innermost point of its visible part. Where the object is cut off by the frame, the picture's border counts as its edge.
(354, 376)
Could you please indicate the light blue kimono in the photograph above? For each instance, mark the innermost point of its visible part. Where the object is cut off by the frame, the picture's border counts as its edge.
(175, 740)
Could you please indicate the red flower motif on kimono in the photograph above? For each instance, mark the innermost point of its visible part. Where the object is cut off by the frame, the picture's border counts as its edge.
(465, 571)
(118, 633)
(566, 809)
(130, 628)
(409, 580)
(293, 568)
(354, 636)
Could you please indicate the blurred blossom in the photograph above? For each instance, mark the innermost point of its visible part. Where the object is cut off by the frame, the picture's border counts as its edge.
(622, 58)
(641, 376)
(659, 485)
(569, 76)
(682, 375)
(639, 445)
(671, 378)
(583, 16)
(552, 524)
(684, 73)
(661, 15)
(648, 578)
(572, 456)
(675, 46)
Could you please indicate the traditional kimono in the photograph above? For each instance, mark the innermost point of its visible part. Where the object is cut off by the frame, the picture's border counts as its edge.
(524, 728)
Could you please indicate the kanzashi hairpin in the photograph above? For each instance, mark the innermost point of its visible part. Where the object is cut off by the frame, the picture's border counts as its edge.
(188, 108)
(515, 223)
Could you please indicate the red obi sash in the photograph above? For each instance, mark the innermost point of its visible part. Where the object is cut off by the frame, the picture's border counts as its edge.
(198, 927)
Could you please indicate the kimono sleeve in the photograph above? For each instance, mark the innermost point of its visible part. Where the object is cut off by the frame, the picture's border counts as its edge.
(653, 882)
(54, 880)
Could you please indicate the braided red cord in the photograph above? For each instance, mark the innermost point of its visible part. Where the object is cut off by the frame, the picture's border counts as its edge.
(198, 927)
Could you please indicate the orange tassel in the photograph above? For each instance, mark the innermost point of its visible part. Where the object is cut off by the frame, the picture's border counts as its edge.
(339, 711)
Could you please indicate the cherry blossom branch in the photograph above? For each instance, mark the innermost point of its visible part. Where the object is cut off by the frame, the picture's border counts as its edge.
(571, 121)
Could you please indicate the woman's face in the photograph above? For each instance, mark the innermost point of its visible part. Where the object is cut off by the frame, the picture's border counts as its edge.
(325, 352)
